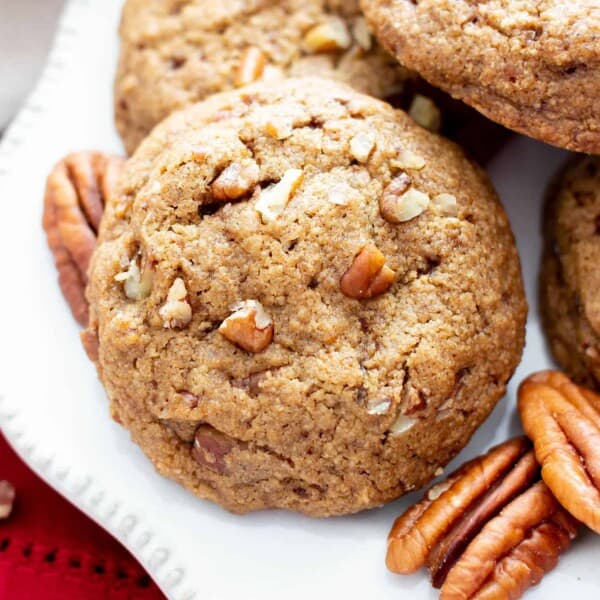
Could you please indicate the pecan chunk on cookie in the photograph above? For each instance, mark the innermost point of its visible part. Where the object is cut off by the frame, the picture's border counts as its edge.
(76, 192)
(492, 529)
(563, 420)
(368, 275)
(248, 327)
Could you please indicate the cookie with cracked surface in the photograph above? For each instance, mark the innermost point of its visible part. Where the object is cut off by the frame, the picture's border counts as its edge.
(175, 53)
(570, 277)
(303, 300)
(531, 66)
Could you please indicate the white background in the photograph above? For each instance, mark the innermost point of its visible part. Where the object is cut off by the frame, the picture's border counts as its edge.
(26, 30)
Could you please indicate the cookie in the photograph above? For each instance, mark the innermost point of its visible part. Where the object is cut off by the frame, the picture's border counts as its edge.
(531, 66)
(175, 53)
(570, 277)
(303, 300)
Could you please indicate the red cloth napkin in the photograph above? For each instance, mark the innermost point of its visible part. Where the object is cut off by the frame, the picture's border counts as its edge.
(49, 550)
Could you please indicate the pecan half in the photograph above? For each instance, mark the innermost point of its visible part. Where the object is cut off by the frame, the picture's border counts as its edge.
(411, 539)
(76, 191)
(514, 550)
(490, 526)
(249, 327)
(563, 421)
(7, 498)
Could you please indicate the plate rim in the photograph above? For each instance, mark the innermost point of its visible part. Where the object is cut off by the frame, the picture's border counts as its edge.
(74, 484)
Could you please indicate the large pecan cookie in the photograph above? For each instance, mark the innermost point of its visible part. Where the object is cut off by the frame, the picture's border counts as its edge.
(570, 277)
(531, 66)
(303, 300)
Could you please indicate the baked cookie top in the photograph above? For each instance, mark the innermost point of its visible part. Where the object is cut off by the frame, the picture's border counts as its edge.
(570, 280)
(303, 299)
(532, 66)
(175, 53)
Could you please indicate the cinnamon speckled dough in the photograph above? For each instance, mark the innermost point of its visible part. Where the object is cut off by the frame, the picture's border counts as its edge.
(354, 402)
(531, 65)
(175, 52)
(570, 280)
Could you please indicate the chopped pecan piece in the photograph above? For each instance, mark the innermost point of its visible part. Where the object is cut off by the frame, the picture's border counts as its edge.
(563, 421)
(249, 327)
(491, 528)
(368, 275)
(236, 180)
(252, 66)
(211, 447)
(176, 312)
(76, 192)
(332, 35)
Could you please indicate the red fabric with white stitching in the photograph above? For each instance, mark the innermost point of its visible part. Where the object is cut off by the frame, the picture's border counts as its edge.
(49, 550)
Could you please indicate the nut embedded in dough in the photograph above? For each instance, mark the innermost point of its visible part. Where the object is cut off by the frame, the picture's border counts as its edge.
(236, 180)
(272, 202)
(249, 327)
(252, 66)
(176, 312)
(368, 275)
(400, 202)
(329, 36)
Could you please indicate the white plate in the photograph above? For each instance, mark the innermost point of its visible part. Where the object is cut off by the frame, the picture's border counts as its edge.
(54, 412)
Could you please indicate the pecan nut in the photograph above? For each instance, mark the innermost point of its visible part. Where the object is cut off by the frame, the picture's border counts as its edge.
(211, 447)
(563, 421)
(7, 498)
(76, 192)
(368, 275)
(249, 327)
(491, 525)
(251, 67)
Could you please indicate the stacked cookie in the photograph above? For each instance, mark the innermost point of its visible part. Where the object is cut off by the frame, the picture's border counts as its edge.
(299, 296)
(531, 66)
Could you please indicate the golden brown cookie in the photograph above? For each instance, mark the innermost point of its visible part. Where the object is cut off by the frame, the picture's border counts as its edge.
(303, 299)
(175, 53)
(531, 66)
(570, 277)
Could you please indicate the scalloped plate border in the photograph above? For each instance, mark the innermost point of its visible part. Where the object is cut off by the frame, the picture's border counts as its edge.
(77, 486)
